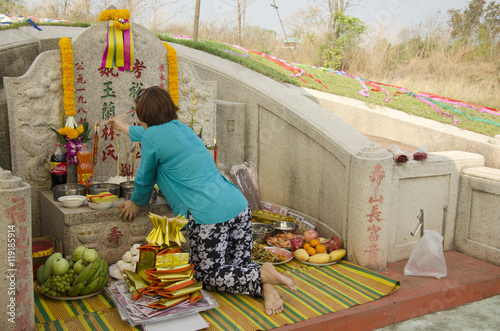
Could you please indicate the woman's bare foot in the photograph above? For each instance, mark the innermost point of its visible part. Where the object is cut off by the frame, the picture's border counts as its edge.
(269, 275)
(272, 300)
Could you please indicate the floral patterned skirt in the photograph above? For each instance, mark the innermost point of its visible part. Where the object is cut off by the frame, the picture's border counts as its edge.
(222, 255)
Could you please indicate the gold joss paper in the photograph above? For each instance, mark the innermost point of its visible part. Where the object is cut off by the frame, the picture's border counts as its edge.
(183, 291)
(166, 230)
(169, 260)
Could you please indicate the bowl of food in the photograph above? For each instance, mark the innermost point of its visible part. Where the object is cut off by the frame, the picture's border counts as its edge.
(124, 186)
(101, 205)
(130, 190)
(62, 190)
(283, 227)
(104, 187)
(72, 201)
(261, 231)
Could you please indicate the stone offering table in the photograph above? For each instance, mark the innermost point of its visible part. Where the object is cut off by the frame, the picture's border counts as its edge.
(98, 229)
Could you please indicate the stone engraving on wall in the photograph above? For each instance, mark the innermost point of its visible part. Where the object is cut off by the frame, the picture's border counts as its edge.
(197, 103)
(36, 98)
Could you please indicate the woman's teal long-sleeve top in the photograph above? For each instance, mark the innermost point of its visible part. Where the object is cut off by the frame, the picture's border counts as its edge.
(175, 158)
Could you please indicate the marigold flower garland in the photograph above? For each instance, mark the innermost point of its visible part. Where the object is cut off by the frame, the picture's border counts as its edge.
(173, 73)
(71, 135)
(119, 16)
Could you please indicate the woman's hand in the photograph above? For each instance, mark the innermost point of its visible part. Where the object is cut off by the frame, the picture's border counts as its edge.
(129, 210)
(118, 124)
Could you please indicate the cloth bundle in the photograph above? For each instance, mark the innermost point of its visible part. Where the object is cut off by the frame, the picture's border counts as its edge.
(403, 156)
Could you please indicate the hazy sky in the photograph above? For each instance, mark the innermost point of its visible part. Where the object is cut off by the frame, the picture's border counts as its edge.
(375, 13)
(392, 13)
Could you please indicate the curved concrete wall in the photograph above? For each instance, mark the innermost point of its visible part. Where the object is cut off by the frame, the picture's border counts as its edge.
(303, 152)
(311, 160)
(408, 129)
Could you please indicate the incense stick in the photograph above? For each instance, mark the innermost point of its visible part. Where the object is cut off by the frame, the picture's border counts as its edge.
(129, 112)
(118, 154)
(126, 155)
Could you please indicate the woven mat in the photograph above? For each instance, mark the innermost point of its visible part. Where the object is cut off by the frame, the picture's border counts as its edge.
(321, 290)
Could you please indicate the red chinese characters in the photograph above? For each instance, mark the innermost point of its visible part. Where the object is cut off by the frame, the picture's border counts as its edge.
(114, 236)
(80, 82)
(375, 215)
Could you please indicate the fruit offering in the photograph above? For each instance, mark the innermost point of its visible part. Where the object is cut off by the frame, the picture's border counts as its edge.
(315, 249)
(86, 273)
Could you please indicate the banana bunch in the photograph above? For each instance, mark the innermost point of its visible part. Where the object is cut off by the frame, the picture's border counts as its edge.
(91, 279)
(267, 217)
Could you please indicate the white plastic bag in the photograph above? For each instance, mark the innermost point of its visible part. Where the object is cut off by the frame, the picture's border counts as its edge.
(427, 257)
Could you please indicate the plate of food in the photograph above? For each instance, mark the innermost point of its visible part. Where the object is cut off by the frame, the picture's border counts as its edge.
(282, 240)
(66, 298)
(274, 255)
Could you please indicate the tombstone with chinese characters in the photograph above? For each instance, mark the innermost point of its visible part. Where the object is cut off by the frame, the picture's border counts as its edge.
(15, 253)
(37, 98)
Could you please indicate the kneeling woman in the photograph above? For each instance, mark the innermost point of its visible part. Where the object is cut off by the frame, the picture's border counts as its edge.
(220, 221)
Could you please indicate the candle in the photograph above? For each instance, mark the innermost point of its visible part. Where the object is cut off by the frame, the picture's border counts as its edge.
(96, 141)
(215, 152)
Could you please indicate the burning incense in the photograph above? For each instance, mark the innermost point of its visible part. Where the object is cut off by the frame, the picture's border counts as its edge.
(118, 154)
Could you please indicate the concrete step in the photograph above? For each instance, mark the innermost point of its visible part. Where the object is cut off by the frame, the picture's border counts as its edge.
(468, 280)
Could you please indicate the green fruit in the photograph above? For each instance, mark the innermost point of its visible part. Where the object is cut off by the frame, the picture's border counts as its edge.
(82, 276)
(92, 286)
(60, 266)
(40, 274)
(48, 264)
(79, 266)
(90, 255)
(76, 289)
(78, 253)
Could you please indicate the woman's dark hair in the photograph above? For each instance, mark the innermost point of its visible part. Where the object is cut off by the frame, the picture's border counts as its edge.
(154, 106)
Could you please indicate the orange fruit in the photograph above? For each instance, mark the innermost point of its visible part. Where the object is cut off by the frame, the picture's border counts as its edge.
(314, 242)
(311, 251)
(306, 246)
(321, 248)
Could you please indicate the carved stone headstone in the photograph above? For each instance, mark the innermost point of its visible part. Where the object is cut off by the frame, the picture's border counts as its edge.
(36, 98)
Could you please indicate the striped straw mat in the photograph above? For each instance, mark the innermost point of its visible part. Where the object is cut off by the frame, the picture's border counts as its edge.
(321, 290)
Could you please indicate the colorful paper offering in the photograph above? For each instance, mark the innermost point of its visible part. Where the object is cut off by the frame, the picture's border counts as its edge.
(164, 271)
(166, 230)
(101, 197)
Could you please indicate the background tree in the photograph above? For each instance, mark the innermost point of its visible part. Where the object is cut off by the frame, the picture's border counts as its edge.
(342, 32)
(477, 24)
(9, 6)
(241, 8)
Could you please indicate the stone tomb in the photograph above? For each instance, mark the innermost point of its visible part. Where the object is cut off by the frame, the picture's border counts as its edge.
(36, 99)
(98, 229)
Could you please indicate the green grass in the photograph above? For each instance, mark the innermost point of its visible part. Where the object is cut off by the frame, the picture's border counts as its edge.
(349, 87)
(470, 119)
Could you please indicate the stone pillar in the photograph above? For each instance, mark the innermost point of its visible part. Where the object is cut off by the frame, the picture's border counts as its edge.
(16, 283)
(369, 207)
